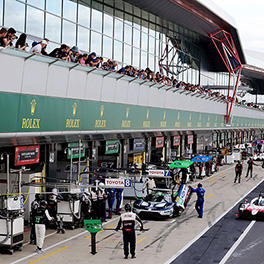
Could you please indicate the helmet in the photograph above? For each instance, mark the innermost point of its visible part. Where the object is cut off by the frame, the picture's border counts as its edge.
(128, 207)
(43, 203)
(101, 185)
(200, 185)
(55, 191)
(38, 197)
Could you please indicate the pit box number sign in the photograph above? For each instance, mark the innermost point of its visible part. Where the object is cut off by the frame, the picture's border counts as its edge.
(93, 225)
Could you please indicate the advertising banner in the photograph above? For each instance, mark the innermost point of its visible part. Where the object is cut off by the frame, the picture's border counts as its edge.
(176, 141)
(159, 142)
(74, 147)
(27, 155)
(159, 173)
(118, 183)
(112, 146)
(190, 139)
(139, 144)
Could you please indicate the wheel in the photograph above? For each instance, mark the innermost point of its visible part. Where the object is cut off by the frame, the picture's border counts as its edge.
(72, 227)
(10, 251)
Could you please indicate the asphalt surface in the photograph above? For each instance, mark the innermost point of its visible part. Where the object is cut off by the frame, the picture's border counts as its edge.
(216, 242)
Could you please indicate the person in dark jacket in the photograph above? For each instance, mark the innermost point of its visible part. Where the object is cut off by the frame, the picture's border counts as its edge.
(250, 167)
(238, 170)
(200, 199)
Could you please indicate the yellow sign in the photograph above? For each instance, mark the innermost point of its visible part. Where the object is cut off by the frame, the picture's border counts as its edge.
(74, 109)
(100, 123)
(33, 106)
(31, 122)
(73, 122)
(126, 123)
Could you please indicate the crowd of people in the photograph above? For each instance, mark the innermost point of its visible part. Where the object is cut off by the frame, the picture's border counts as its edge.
(8, 38)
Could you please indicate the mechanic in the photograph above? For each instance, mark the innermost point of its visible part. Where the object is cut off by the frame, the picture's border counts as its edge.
(250, 167)
(184, 173)
(200, 199)
(41, 216)
(128, 222)
(118, 200)
(110, 199)
(86, 206)
(238, 170)
(101, 196)
(150, 185)
(34, 206)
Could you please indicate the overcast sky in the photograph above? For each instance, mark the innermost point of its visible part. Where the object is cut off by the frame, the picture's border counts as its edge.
(249, 18)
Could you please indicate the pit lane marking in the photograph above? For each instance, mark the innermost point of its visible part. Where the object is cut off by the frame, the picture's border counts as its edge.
(55, 252)
(236, 244)
(209, 196)
(141, 240)
(212, 179)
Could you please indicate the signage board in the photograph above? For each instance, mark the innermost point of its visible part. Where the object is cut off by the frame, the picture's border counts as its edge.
(159, 142)
(176, 140)
(112, 147)
(139, 144)
(25, 155)
(190, 139)
(118, 183)
(159, 172)
(74, 148)
(93, 225)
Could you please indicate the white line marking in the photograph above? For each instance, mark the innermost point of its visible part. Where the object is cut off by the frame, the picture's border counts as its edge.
(59, 243)
(235, 245)
(51, 234)
(172, 221)
(207, 228)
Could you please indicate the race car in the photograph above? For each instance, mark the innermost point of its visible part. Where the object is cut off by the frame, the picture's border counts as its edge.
(162, 203)
(253, 209)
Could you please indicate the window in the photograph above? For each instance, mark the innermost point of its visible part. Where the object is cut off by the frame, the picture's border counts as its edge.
(118, 51)
(108, 25)
(144, 41)
(107, 47)
(118, 30)
(53, 28)
(127, 33)
(144, 58)
(83, 38)
(69, 10)
(136, 38)
(1, 12)
(151, 45)
(96, 20)
(14, 15)
(136, 57)
(69, 33)
(37, 3)
(96, 43)
(54, 6)
(151, 62)
(35, 22)
(127, 54)
(83, 14)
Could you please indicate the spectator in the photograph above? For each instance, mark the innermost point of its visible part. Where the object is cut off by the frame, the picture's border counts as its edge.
(3, 33)
(37, 48)
(98, 62)
(59, 52)
(83, 58)
(91, 60)
(21, 42)
(43, 50)
(74, 54)
(8, 38)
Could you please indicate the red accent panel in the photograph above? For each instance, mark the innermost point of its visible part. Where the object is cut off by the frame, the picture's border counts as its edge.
(27, 155)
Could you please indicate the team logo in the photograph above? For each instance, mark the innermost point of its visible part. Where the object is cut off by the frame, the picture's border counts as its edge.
(164, 116)
(147, 114)
(102, 111)
(74, 109)
(127, 112)
(33, 107)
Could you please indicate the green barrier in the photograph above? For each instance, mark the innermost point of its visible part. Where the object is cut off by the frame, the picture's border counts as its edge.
(93, 226)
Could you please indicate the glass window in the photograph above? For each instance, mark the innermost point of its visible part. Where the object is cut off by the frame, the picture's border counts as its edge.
(83, 14)
(157, 64)
(118, 51)
(144, 41)
(128, 19)
(1, 12)
(127, 34)
(54, 6)
(128, 7)
(96, 20)
(157, 47)
(144, 62)
(151, 62)
(83, 38)
(96, 43)
(136, 23)
(137, 11)
(14, 15)
(151, 45)
(69, 33)
(127, 54)
(107, 47)
(53, 28)
(51, 47)
(136, 57)
(118, 29)
(145, 26)
(136, 38)
(109, 2)
(69, 10)
(145, 15)
(37, 3)
(108, 10)
(35, 22)
(108, 25)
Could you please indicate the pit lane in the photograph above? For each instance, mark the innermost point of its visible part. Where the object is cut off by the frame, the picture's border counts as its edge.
(164, 239)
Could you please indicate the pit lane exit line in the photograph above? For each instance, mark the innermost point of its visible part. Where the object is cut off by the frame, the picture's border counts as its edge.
(141, 240)
(236, 244)
(208, 227)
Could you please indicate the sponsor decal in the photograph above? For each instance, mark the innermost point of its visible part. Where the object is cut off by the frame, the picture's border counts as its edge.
(159, 142)
(27, 155)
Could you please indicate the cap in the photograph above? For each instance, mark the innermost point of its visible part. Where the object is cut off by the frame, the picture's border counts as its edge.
(75, 49)
(44, 42)
(200, 185)
(93, 54)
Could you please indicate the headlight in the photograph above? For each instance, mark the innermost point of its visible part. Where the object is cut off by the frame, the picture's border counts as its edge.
(144, 204)
(160, 205)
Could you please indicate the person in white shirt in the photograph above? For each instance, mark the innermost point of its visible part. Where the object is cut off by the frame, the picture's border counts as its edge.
(37, 48)
(150, 185)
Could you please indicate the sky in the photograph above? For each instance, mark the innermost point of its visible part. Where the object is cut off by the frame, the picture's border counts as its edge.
(249, 19)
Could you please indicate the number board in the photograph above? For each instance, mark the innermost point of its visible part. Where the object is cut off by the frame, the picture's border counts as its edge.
(93, 225)
(127, 183)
